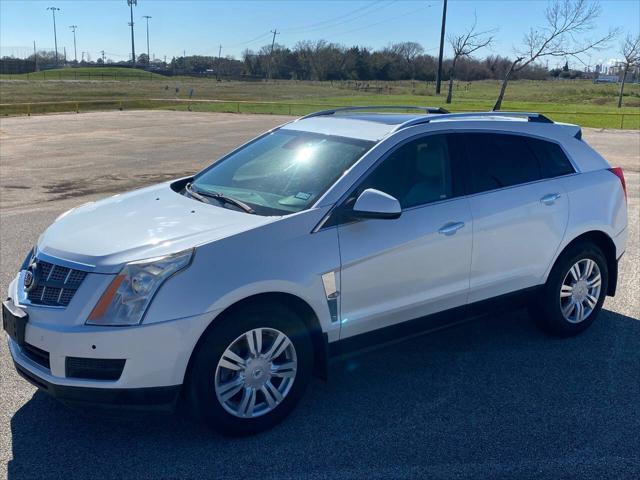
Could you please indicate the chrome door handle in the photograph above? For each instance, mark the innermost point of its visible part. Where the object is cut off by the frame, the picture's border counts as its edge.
(550, 198)
(451, 228)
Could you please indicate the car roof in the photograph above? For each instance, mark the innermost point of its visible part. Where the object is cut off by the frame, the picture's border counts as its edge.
(355, 122)
(371, 126)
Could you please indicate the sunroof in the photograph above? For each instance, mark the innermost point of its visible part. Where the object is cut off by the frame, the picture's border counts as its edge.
(384, 118)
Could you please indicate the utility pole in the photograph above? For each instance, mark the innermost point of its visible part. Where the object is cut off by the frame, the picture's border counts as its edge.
(131, 3)
(35, 57)
(102, 52)
(444, 22)
(64, 49)
(273, 42)
(75, 51)
(219, 55)
(147, 17)
(55, 35)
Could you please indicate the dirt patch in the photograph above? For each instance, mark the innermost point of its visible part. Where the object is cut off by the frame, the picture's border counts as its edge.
(103, 184)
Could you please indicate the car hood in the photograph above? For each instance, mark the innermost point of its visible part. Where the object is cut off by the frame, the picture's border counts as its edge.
(141, 224)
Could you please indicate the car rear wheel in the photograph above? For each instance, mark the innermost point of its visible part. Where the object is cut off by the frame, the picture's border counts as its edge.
(574, 293)
(250, 369)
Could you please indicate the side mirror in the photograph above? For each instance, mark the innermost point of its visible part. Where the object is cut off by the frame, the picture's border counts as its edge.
(376, 204)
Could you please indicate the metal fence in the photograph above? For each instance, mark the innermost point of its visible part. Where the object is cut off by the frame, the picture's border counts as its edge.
(620, 120)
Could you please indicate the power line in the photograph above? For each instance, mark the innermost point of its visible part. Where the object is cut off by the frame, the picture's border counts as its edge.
(329, 23)
(343, 21)
(263, 35)
(333, 19)
(386, 20)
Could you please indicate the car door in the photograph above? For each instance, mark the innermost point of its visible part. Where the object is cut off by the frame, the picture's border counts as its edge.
(394, 270)
(519, 217)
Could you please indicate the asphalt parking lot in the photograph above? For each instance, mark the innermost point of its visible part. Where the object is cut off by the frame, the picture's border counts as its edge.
(494, 398)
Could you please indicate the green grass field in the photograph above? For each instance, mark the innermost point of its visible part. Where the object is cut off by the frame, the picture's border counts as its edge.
(86, 89)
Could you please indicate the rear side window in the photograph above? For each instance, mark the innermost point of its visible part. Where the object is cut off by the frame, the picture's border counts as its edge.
(499, 160)
(553, 161)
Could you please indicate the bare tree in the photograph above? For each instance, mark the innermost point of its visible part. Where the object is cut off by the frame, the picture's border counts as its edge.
(463, 46)
(630, 50)
(409, 51)
(566, 20)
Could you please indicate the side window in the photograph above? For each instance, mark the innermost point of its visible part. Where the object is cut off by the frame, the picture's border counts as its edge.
(553, 161)
(417, 173)
(500, 160)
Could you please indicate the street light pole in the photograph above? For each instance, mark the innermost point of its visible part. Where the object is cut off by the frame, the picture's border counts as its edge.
(55, 35)
(75, 50)
(131, 3)
(147, 17)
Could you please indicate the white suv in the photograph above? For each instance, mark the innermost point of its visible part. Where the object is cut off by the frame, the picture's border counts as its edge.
(230, 288)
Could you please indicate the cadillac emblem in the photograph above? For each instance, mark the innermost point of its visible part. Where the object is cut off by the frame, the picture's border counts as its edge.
(30, 277)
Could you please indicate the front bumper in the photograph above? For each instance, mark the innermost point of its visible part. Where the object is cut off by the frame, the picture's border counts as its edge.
(155, 356)
(150, 398)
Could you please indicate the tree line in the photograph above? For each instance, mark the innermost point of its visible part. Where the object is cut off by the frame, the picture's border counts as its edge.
(322, 60)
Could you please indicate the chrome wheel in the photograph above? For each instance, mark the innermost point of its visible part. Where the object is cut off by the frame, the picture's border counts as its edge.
(580, 290)
(255, 372)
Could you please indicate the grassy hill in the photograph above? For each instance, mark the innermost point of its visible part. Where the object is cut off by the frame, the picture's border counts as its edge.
(85, 73)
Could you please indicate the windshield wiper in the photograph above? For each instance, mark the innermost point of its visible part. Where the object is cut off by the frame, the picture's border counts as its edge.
(195, 194)
(203, 195)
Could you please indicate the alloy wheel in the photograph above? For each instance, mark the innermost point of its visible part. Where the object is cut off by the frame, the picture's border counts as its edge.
(255, 372)
(580, 290)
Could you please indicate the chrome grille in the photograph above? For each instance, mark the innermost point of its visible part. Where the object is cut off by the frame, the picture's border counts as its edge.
(56, 285)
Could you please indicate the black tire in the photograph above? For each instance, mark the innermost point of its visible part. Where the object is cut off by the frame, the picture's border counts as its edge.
(546, 309)
(200, 383)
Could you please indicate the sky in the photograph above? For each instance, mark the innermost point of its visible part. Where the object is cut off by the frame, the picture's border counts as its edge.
(200, 26)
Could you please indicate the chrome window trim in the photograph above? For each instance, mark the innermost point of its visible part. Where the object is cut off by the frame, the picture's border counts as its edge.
(454, 129)
(510, 187)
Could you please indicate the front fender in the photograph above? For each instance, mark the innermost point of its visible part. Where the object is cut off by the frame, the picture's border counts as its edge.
(282, 256)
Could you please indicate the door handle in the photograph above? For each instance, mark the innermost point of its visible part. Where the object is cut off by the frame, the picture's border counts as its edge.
(451, 228)
(550, 198)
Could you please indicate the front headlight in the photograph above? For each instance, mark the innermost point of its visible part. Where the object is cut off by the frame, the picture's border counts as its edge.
(126, 299)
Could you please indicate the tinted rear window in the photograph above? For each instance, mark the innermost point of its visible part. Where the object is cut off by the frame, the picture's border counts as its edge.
(553, 161)
(499, 160)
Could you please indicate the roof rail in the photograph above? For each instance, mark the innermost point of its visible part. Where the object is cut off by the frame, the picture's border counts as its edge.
(530, 116)
(333, 111)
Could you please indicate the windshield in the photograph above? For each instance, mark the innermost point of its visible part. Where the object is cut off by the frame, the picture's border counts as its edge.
(283, 172)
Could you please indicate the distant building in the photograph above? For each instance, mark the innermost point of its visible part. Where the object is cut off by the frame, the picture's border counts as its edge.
(607, 79)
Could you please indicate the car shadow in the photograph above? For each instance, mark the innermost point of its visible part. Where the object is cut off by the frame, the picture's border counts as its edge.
(492, 398)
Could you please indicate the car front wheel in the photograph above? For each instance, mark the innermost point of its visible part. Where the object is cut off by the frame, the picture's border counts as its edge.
(250, 369)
